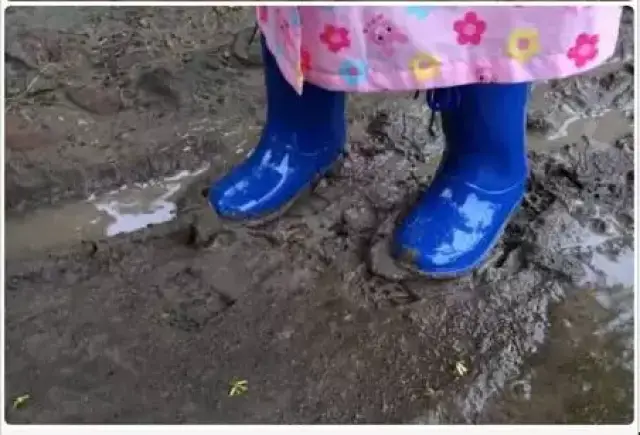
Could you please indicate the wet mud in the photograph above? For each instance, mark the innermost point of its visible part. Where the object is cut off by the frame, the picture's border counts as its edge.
(128, 301)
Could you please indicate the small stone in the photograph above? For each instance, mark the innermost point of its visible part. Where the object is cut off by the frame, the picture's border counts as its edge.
(96, 100)
(460, 369)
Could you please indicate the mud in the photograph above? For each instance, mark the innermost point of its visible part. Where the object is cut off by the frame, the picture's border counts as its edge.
(111, 323)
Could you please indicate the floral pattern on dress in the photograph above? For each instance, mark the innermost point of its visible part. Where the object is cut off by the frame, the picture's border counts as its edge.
(523, 44)
(400, 48)
(584, 50)
(470, 29)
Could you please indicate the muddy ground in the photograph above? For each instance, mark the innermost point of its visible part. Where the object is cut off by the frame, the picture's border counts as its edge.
(117, 119)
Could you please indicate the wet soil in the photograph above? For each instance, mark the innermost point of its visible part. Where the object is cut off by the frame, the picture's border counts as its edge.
(117, 119)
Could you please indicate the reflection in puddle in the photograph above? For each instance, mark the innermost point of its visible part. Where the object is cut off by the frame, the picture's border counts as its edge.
(608, 264)
(601, 131)
(584, 371)
(134, 208)
(614, 270)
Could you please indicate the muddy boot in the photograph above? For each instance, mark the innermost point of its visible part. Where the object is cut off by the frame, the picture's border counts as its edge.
(303, 137)
(479, 184)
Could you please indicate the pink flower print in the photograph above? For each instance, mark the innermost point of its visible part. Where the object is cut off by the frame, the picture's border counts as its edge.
(263, 14)
(335, 38)
(383, 33)
(584, 50)
(470, 29)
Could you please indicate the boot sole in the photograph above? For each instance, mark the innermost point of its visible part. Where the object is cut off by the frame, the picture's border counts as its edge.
(266, 219)
(442, 276)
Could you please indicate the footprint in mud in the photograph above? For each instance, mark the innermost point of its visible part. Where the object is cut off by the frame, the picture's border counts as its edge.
(190, 302)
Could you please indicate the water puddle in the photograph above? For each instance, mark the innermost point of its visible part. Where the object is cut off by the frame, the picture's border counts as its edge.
(613, 269)
(601, 131)
(606, 250)
(583, 371)
(607, 260)
(132, 208)
(124, 210)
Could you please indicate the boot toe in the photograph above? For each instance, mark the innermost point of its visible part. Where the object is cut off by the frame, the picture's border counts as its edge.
(266, 182)
(245, 194)
(451, 231)
(228, 197)
(425, 251)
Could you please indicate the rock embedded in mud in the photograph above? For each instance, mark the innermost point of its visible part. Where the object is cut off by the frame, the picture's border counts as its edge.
(100, 101)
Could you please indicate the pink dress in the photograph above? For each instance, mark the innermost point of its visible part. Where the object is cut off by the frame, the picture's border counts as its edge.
(399, 48)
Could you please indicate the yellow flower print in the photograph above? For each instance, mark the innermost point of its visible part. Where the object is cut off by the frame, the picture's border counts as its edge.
(523, 44)
(424, 66)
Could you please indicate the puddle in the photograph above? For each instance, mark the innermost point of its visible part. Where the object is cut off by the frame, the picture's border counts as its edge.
(615, 270)
(583, 370)
(133, 208)
(605, 250)
(125, 210)
(608, 261)
(601, 131)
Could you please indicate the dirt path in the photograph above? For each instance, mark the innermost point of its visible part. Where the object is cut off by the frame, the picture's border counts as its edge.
(151, 324)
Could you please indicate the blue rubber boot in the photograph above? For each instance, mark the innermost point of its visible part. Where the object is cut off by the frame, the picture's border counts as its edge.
(479, 184)
(303, 137)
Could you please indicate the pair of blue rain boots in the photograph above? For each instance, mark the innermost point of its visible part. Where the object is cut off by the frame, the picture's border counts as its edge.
(459, 217)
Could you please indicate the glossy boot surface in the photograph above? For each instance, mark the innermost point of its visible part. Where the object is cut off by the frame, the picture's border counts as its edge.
(479, 184)
(303, 137)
